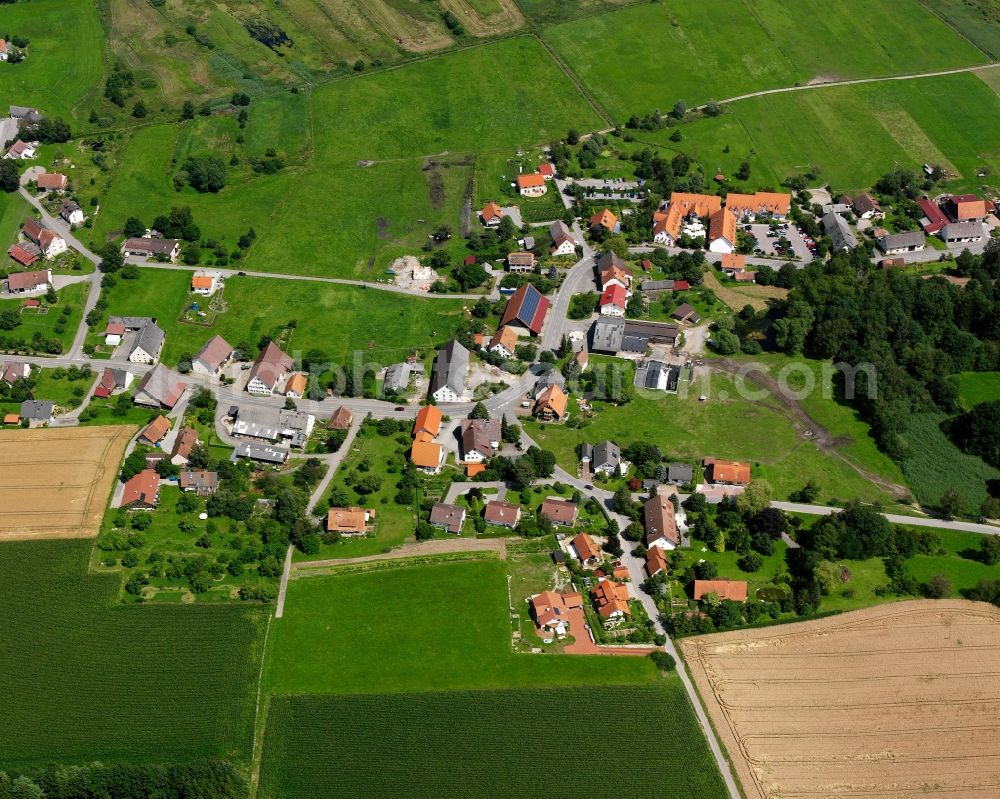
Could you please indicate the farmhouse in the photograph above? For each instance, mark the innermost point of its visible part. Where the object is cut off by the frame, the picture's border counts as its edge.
(531, 185)
(551, 405)
(733, 590)
(37, 412)
(613, 300)
(71, 212)
(962, 232)
(14, 371)
(613, 272)
(28, 282)
(52, 181)
(187, 438)
(262, 453)
(895, 243)
(521, 262)
(49, 243)
(504, 342)
(605, 457)
(660, 523)
(341, 419)
(840, 233)
(270, 368)
(722, 231)
(562, 512)
(551, 612)
(768, 204)
(160, 387)
(205, 283)
(349, 522)
(21, 151)
(150, 248)
(213, 357)
(25, 112)
(447, 383)
(502, 514)
(563, 240)
(611, 601)
(586, 550)
(202, 483)
(967, 208)
(25, 254)
(933, 219)
(605, 220)
(733, 473)
(491, 215)
(526, 309)
(155, 431)
(148, 343)
(447, 517)
(866, 207)
(480, 439)
(142, 492)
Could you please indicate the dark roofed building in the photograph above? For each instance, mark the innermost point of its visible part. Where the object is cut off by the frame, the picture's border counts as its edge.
(526, 309)
(893, 243)
(680, 473)
(447, 383)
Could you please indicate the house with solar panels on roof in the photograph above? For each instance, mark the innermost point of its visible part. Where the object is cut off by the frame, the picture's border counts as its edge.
(526, 310)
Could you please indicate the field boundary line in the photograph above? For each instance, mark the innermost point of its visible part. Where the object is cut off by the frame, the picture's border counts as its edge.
(575, 80)
(951, 26)
(260, 718)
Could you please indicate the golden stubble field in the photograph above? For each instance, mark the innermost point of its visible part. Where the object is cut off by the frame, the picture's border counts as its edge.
(899, 701)
(55, 482)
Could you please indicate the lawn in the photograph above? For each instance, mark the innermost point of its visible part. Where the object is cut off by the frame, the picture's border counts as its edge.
(718, 49)
(55, 324)
(65, 55)
(485, 744)
(342, 321)
(13, 210)
(416, 629)
(977, 387)
(934, 464)
(86, 681)
(724, 426)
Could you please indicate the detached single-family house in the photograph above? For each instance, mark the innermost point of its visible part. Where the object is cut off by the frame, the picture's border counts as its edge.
(734, 473)
(202, 483)
(14, 371)
(520, 262)
(148, 343)
(480, 439)
(447, 383)
(491, 215)
(502, 514)
(733, 590)
(427, 456)
(28, 282)
(840, 233)
(526, 309)
(656, 561)
(605, 457)
(21, 151)
(350, 522)
(550, 406)
(160, 387)
(896, 243)
(213, 357)
(143, 247)
(205, 283)
(680, 473)
(447, 517)
(605, 220)
(613, 300)
(37, 412)
(611, 601)
(187, 438)
(142, 492)
(563, 240)
(531, 185)
(551, 612)
(48, 242)
(615, 275)
(270, 368)
(52, 181)
(154, 432)
(504, 342)
(586, 550)
(962, 232)
(341, 419)
(660, 523)
(4, 50)
(71, 212)
(722, 231)
(562, 512)
(866, 207)
(113, 380)
(428, 422)
(296, 385)
(733, 263)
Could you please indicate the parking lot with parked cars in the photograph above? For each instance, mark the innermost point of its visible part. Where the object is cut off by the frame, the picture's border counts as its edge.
(769, 241)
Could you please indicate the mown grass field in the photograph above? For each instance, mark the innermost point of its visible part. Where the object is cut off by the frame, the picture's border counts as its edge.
(976, 387)
(486, 744)
(645, 58)
(428, 628)
(86, 681)
(65, 56)
(934, 464)
(380, 326)
(979, 20)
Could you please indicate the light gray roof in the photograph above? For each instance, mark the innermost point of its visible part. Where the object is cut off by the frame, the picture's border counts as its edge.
(397, 377)
(450, 366)
(839, 231)
(680, 473)
(260, 452)
(559, 232)
(130, 322)
(911, 238)
(962, 230)
(656, 285)
(36, 410)
(607, 335)
(606, 453)
(150, 339)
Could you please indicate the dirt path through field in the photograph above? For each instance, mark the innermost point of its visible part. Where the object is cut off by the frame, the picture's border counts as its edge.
(807, 427)
(414, 550)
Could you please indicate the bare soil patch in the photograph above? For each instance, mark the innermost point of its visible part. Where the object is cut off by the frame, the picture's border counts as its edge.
(889, 702)
(56, 481)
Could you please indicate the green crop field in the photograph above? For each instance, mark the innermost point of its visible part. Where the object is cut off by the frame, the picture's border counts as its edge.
(645, 58)
(65, 55)
(976, 387)
(85, 680)
(979, 20)
(934, 464)
(416, 629)
(326, 316)
(487, 744)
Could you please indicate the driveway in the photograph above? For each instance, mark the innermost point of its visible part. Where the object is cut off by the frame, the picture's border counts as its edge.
(8, 130)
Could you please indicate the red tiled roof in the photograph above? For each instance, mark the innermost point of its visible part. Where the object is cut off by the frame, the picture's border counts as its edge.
(142, 488)
(585, 547)
(614, 294)
(736, 590)
(560, 511)
(429, 420)
(729, 472)
(21, 255)
(532, 180)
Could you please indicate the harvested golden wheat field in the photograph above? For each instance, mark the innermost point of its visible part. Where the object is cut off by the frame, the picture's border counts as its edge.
(55, 482)
(900, 701)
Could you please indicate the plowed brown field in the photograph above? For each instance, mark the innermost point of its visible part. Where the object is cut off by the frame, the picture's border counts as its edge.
(899, 701)
(55, 482)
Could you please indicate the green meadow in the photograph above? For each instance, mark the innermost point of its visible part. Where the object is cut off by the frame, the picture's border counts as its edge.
(978, 20)
(976, 387)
